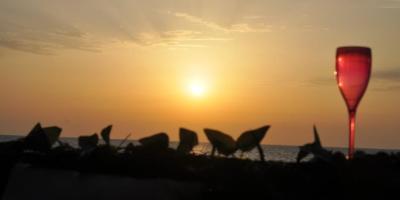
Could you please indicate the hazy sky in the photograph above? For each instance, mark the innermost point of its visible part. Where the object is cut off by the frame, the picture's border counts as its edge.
(85, 64)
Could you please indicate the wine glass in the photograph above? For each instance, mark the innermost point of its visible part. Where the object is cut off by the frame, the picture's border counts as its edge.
(353, 69)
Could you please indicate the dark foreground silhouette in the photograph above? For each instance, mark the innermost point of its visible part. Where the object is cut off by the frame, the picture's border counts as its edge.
(327, 176)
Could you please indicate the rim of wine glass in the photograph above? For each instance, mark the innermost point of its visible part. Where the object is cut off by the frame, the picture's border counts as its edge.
(354, 49)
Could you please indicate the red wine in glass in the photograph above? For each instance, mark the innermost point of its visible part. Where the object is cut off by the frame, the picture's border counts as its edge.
(353, 69)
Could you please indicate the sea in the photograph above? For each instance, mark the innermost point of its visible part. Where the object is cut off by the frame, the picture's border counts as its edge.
(284, 153)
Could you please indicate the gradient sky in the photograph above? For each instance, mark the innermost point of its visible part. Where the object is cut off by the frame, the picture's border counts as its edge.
(85, 64)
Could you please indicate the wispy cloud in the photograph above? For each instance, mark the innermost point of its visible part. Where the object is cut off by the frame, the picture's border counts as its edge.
(45, 42)
(321, 82)
(42, 35)
(390, 4)
(386, 87)
(35, 30)
(387, 80)
(176, 39)
(246, 28)
(237, 27)
(254, 17)
(199, 20)
(25, 46)
(392, 74)
(383, 80)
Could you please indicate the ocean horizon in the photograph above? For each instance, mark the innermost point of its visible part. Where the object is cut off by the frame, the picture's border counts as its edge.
(285, 153)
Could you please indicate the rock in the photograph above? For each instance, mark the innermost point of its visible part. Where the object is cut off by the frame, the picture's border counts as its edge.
(88, 143)
(158, 141)
(105, 134)
(37, 140)
(53, 133)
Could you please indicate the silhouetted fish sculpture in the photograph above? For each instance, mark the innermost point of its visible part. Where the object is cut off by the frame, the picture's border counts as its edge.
(187, 140)
(41, 139)
(158, 141)
(247, 141)
(315, 149)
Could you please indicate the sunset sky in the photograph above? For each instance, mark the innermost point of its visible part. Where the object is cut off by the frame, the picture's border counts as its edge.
(149, 66)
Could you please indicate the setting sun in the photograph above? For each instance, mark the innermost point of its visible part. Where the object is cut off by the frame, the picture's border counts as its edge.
(197, 88)
(150, 66)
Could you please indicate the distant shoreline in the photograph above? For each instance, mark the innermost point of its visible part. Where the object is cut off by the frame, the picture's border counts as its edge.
(344, 148)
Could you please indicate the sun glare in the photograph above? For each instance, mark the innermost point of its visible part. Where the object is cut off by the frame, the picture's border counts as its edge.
(197, 89)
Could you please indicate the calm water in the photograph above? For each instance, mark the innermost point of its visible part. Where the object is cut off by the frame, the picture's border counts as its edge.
(272, 152)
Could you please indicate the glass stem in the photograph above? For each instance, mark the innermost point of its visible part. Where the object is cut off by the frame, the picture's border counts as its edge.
(352, 119)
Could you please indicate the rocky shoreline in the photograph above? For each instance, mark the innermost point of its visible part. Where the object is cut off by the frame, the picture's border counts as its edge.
(365, 176)
(328, 176)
